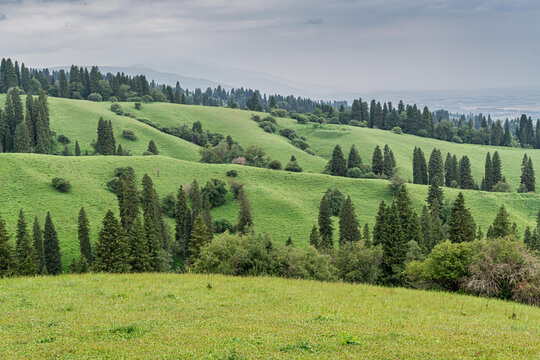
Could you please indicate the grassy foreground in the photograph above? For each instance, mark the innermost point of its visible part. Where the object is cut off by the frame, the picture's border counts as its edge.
(167, 316)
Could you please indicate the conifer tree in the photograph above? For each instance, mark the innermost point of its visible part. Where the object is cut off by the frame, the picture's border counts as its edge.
(245, 219)
(199, 238)
(314, 237)
(207, 216)
(419, 167)
(496, 174)
(289, 242)
(26, 256)
(377, 161)
(3, 132)
(83, 233)
(326, 229)
(354, 160)
(21, 139)
(152, 148)
(29, 119)
(527, 175)
(51, 249)
(366, 236)
(501, 225)
(8, 264)
(425, 227)
(153, 243)
(128, 200)
(434, 193)
(37, 237)
(465, 177)
(436, 167)
(195, 197)
(77, 148)
(182, 217)
(63, 87)
(139, 255)
(507, 137)
(436, 229)
(380, 221)
(394, 245)
(389, 162)
(293, 166)
(488, 174)
(337, 165)
(349, 228)
(112, 250)
(461, 226)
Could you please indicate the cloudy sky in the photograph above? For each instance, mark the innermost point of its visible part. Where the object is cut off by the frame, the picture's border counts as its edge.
(365, 45)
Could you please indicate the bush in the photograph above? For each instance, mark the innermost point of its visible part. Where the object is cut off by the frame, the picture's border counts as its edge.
(274, 165)
(215, 190)
(129, 135)
(232, 173)
(168, 203)
(147, 99)
(301, 144)
(269, 119)
(336, 199)
(95, 97)
(255, 118)
(138, 105)
(222, 225)
(309, 151)
(112, 185)
(267, 126)
(117, 109)
(124, 171)
(397, 130)
(502, 186)
(358, 264)
(354, 123)
(63, 139)
(457, 139)
(61, 184)
(235, 188)
(395, 182)
(354, 173)
(288, 133)
(279, 112)
(293, 166)
(113, 99)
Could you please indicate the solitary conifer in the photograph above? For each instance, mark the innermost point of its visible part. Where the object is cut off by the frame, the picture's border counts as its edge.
(314, 237)
(349, 228)
(354, 160)
(83, 233)
(245, 220)
(461, 226)
(152, 148)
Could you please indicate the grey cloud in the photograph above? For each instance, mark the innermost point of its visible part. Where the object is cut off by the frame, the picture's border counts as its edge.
(314, 21)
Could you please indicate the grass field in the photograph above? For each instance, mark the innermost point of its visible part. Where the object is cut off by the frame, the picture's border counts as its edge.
(166, 316)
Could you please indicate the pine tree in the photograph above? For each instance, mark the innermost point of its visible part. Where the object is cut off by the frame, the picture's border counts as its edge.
(434, 193)
(153, 243)
(139, 256)
(389, 162)
(37, 237)
(496, 168)
(527, 175)
(152, 210)
(326, 229)
(354, 160)
(419, 167)
(245, 219)
(436, 229)
(128, 200)
(51, 248)
(182, 217)
(488, 174)
(83, 233)
(152, 148)
(195, 197)
(337, 165)
(289, 242)
(366, 236)
(63, 88)
(199, 238)
(112, 250)
(394, 246)
(380, 227)
(501, 225)
(25, 254)
(507, 137)
(436, 167)
(465, 177)
(30, 118)
(377, 161)
(461, 226)
(314, 237)
(207, 216)
(8, 264)
(21, 139)
(349, 228)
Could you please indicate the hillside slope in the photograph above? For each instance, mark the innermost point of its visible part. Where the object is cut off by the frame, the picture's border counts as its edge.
(284, 204)
(167, 316)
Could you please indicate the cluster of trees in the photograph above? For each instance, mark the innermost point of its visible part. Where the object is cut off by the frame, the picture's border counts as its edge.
(382, 165)
(25, 131)
(36, 252)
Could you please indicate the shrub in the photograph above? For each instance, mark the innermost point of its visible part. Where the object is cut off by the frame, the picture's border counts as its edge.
(63, 139)
(124, 171)
(288, 133)
(354, 173)
(336, 199)
(215, 190)
(395, 182)
(358, 264)
(354, 123)
(239, 160)
(232, 173)
(255, 118)
(301, 144)
(274, 165)
(138, 105)
(61, 184)
(129, 135)
(309, 151)
(112, 185)
(168, 203)
(235, 188)
(279, 112)
(293, 166)
(457, 139)
(113, 99)
(397, 130)
(502, 186)
(147, 99)
(267, 126)
(117, 108)
(270, 119)
(95, 97)
(222, 225)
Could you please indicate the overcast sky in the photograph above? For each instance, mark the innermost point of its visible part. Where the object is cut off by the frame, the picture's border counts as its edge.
(363, 45)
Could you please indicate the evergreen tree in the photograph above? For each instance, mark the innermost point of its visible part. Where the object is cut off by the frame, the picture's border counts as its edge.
(436, 234)
(195, 197)
(434, 193)
(461, 226)
(289, 240)
(139, 256)
(153, 243)
(77, 148)
(25, 254)
(436, 167)
(128, 200)
(527, 175)
(366, 236)
(7, 259)
(389, 162)
(37, 237)
(51, 249)
(394, 247)
(182, 217)
(207, 216)
(199, 238)
(488, 174)
(63, 87)
(465, 178)
(105, 144)
(245, 219)
(83, 233)
(253, 103)
(419, 167)
(349, 228)
(380, 221)
(501, 225)
(507, 137)
(377, 161)
(337, 165)
(354, 160)
(112, 249)
(30, 118)
(314, 237)
(326, 229)
(21, 139)
(152, 148)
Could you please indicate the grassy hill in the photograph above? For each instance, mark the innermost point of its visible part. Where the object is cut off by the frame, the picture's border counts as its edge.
(284, 204)
(166, 316)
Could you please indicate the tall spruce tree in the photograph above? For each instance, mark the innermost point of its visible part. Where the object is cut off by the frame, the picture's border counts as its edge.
(434, 193)
(389, 162)
(465, 178)
(245, 219)
(21, 139)
(354, 160)
(420, 175)
(25, 254)
(128, 200)
(37, 241)
(366, 236)
(195, 197)
(436, 167)
(51, 248)
(326, 229)
(153, 243)
(349, 228)
(314, 237)
(8, 265)
(199, 237)
(152, 148)
(377, 161)
(207, 216)
(139, 255)
(83, 233)
(77, 148)
(337, 165)
(527, 175)
(501, 225)
(496, 171)
(182, 217)
(488, 174)
(380, 221)
(112, 250)
(461, 226)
